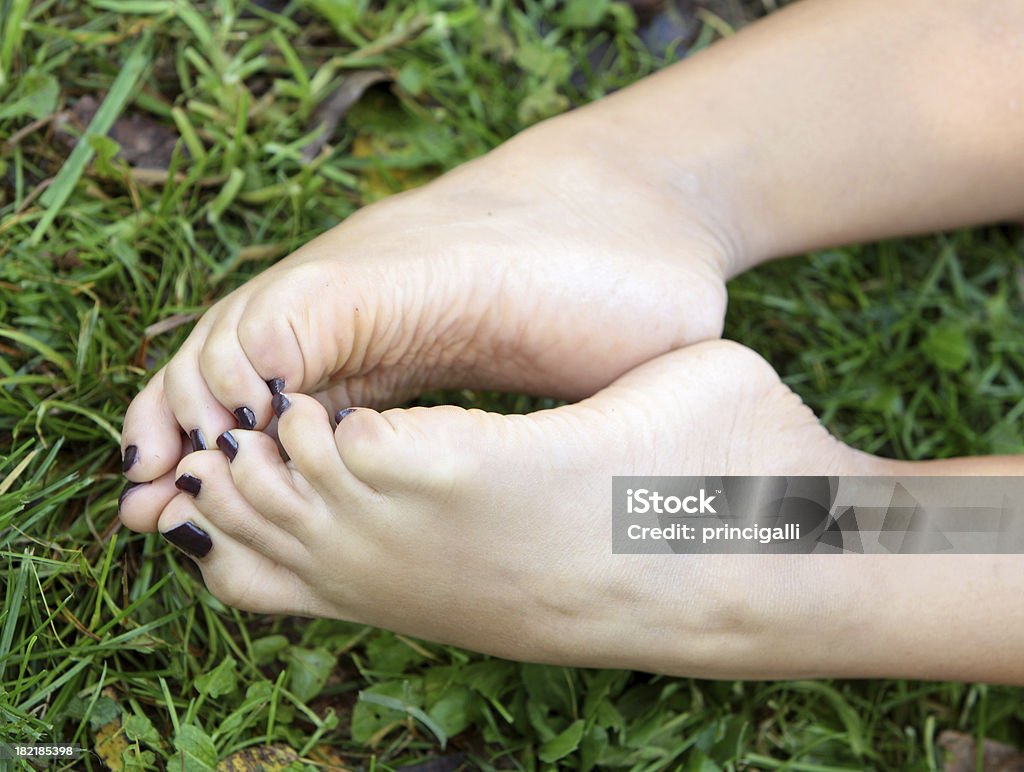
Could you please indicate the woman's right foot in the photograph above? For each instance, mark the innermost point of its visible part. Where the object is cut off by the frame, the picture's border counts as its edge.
(493, 532)
(524, 271)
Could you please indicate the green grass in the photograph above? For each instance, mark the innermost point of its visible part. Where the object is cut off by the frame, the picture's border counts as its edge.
(913, 349)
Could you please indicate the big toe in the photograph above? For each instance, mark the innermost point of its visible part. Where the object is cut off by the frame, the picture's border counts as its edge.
(244, 554)
(399, 449)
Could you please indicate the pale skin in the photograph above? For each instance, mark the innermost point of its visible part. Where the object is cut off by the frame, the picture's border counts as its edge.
(587, 259)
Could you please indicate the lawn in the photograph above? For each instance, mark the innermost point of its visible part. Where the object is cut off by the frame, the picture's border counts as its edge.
(215, 141)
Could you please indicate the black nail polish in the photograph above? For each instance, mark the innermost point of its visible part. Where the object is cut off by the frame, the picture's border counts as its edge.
(197, 439)
(280, 403)
(246, 418)
(189, 483)
(276, 385)
(131, 455)
(190, 538)
(128, 489)
(340, 415)
(228, 445)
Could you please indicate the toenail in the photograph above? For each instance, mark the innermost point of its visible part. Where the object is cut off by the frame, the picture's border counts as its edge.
(128, 489)
(228, 445)
(276, 385)
(189, 483)
(280, 403)
(190, 538)
(131, 455)
(340, 415)
(197, 439)
(246, 418)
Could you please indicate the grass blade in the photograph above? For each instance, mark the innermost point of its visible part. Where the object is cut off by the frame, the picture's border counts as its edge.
(67, 178)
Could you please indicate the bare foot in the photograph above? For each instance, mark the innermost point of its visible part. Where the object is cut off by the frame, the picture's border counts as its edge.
(493, 532)
(529, 270)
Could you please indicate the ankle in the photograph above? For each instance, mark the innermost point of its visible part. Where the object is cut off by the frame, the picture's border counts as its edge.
(581, 158)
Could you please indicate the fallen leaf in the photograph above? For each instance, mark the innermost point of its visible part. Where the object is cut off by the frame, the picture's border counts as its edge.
(109, 741)
(668, 27)
(143, 142)
(329, 759)
(168, 324)
(961, 749)
(330, 112)
(265, 758)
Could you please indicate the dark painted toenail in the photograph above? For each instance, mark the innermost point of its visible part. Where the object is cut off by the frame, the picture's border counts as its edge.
(190, 538)
(189, 483)
(197, 439)
(128, 489)
(280, 403)
(340, 415)
(276, 385)
(246, 418)
(228, 445)
(131, 455)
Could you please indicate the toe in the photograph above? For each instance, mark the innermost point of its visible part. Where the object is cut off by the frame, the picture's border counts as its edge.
(151, 438)
(306, 433)
(206, 478)
(235, 573)
(417, 449)
(196, 409)
(140, 504)
(268, 485)
(234, 381)
(288, 329)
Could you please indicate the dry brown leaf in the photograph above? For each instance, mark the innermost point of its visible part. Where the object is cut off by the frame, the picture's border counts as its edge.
(329, 759)
(330, 112)
(168, 324)
(144, 143)
(962, 748)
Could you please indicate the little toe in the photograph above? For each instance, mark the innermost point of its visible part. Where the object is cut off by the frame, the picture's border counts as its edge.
(234, 381)
(151, 438)
(235, 573)
(206, 478)
(140, 504)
